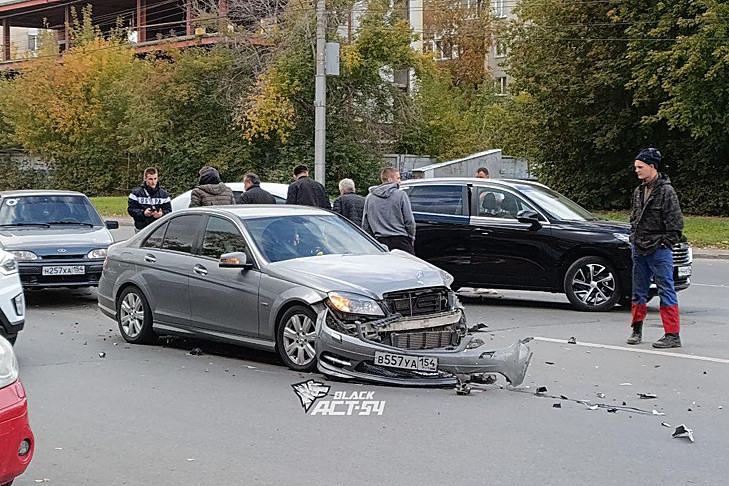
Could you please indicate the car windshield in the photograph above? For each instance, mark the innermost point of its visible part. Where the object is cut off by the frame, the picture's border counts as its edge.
(48, 210)
(287, 237)
(557, 205)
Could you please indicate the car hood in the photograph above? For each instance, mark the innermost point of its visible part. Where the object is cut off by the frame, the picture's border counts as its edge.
(41, 240)
(370, 275)
(600, 226)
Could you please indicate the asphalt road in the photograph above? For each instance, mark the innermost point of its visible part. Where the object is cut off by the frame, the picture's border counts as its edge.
(155, 415)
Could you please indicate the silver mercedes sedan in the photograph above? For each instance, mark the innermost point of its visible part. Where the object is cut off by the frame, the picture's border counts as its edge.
(303, 282)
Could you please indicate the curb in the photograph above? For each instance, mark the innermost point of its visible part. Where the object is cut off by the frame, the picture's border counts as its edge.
(709, 254)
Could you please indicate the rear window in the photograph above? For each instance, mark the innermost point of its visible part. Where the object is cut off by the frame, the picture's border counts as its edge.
(445, 199)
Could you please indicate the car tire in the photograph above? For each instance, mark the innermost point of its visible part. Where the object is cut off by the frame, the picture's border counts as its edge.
(295, 338)
(134, 317)
(591, 284)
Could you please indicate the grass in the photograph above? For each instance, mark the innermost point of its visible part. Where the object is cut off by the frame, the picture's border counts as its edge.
(701, 231)
(110, 206)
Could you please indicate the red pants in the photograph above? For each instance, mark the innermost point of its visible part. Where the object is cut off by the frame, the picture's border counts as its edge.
(669, 317)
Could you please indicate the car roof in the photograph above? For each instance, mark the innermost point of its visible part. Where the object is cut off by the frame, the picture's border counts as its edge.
(34, 192)
(249, 211)
(512, 183)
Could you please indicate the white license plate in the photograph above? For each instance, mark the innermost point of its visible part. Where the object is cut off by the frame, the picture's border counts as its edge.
(65, 270)
(417, 363)
(684, 271)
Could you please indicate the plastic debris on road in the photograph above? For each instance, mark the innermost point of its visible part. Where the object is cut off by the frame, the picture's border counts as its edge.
(102, 355)
(572, 340)
(556, 405)
(666, 424)
(656, 412)
(647, 395)
(600, 395)
(683, 432)
(626, 384)
(540, 390)
(196, 352)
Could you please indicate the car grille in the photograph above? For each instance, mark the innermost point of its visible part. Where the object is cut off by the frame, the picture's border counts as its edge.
(418, 302)
(63, 256)
(681, 254)
(421, 340)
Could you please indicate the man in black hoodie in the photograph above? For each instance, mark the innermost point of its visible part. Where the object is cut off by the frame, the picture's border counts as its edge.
(149, 201)
(254, 194)
(305, 191)
(656, 224)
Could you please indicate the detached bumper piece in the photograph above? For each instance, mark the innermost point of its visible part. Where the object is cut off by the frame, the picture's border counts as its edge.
(460, 357)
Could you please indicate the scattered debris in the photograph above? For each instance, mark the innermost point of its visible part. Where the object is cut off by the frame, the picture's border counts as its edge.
(666, 424)
(626, 384)
(612, 410)
(190, 459)
(478, 327)
(556, 405)
(704, 372)
(59, 448)
(44, 480)
(593, 407)
(647, 395)
(251, 367)
(657, 366)
(85, 343)
(102, 355)
(549, 362)
(563, 397)
(600, 395)
(689, 409)
(196, 352)
(572, 340)
(624, 404)
(116, 344)
(656, 412)
(720, 407)
(683, 432)
(540, 390)
(462, 388)
(483, 379)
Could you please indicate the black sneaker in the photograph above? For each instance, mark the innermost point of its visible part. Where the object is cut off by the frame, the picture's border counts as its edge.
(668, 341)
(637, 336)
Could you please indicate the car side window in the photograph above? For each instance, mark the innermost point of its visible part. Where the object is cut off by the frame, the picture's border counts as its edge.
(181, 233)
(445, 199)
(155, 239)
(496, 203)
(222, 236)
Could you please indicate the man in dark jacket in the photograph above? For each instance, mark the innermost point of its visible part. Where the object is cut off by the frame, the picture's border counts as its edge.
(388, 215)
(656, 224)
(254, 194)
(210, 191)
(149, 201)
(307, 192)
(349, 204)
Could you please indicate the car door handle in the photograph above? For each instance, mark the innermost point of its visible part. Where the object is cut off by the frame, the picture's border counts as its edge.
(150, 258)
(200, 270)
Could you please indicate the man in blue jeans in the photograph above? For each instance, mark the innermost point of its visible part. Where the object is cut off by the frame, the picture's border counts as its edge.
(656, 225)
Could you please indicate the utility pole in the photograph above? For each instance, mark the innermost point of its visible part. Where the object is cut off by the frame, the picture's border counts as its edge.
(320, 94)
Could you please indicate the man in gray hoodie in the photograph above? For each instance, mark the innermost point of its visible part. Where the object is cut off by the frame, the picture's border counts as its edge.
(388, 215)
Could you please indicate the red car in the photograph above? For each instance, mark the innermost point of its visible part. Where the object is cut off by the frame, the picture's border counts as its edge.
(16, 439)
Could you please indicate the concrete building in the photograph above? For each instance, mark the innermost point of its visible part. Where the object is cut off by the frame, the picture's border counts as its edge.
(502, 9)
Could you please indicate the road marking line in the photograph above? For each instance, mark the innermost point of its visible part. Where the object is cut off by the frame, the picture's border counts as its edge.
(635, 350)
(711, 285)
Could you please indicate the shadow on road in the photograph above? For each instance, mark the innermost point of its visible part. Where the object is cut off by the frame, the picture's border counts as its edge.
(504, 300)
(222, 350)
(62, 297)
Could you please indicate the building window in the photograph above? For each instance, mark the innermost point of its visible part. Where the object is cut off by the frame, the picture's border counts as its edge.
(499, 8)
(501, 85)
(444, 49)
(33, 42)
(500, 49)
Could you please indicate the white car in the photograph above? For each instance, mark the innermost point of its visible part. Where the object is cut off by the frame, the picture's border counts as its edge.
(12, 301)
(278, 191)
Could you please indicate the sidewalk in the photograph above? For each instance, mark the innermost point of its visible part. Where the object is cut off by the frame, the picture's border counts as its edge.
(710, 253)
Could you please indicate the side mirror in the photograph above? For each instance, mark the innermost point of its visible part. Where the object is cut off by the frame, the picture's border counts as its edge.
(529, 217)
(236, 259)
(112, 224)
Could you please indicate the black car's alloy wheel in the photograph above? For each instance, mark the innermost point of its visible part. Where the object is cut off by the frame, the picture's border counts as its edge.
(296, 338)
(135, 317)
(591, 284)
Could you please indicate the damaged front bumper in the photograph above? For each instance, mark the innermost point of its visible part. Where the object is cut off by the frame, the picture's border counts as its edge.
(344, 356)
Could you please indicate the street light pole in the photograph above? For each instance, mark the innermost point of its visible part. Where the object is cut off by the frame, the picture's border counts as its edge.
(320, 94)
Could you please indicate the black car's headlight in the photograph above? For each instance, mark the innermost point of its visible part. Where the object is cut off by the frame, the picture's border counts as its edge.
(354, 304)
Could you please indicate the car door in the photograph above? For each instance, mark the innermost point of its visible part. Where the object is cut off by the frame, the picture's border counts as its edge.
(223, 300)
(442, 231)
(504, 252)
(163, 260)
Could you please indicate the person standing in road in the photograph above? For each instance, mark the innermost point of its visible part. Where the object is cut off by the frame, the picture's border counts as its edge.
(210, 191)
(149, 201)
(254, 194)
(388, 215)
(656, 224)
(306, 191)
(482, 173)
(349, 204)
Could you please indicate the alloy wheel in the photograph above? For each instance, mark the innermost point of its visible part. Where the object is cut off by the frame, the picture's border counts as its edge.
(593, 284)
(131, 315)
(298, 339)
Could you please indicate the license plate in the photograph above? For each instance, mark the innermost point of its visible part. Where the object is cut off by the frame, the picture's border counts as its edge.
(417, 363)
(64, 270)
(684, 271)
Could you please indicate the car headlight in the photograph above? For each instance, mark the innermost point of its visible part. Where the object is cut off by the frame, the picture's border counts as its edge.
(354, 304)
(8, 364)
(97, 254)
(23, 255)
(8, 265)
(622, 237)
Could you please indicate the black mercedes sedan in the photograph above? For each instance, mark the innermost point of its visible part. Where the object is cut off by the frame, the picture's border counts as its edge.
(522, 235)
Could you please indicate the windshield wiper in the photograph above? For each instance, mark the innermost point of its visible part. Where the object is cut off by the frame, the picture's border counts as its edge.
(71, 222)
(45, 225)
